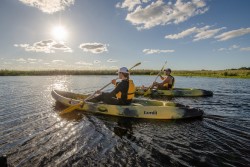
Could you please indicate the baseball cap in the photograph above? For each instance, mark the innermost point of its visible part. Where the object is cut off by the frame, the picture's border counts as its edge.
(168, 69)
(123, 70)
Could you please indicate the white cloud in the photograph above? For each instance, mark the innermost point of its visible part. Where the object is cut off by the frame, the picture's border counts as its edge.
(153, 51)
(111, 61)
(205, 34)
(232, 34)
(58, 61)
(233, 47)
(21, 60)
(182, 34)
(7, 63)
(93, 47)
(245, 49)
(222, 49)
(46, 46)
(114, 67)
(201, 33)
(29, 60)
(21, 45)
(159, 13)
(49, 6)
(130, 4)
(83, 63)
(97, 61)
(61, 46)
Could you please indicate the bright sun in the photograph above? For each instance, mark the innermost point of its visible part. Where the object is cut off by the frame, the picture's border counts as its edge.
(59, 33)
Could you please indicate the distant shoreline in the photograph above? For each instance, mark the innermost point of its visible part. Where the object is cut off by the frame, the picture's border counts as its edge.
(230, 73)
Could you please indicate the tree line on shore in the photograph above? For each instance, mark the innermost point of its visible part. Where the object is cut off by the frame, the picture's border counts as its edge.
(243, 72)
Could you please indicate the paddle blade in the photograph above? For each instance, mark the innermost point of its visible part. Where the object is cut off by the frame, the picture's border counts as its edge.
(137, 64)
(71, 108)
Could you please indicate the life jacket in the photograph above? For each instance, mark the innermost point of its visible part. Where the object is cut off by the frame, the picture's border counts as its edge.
(131, 91)
(170, 86)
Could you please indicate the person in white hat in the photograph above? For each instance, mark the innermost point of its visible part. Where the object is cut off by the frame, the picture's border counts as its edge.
(167, 82)
(123, 92)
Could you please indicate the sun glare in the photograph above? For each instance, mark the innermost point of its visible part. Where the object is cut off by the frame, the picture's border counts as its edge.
(59, 33)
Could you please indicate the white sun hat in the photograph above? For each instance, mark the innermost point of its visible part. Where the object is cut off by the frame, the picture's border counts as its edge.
(123, 70)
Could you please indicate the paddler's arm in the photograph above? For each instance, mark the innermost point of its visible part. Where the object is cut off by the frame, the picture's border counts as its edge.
(117, 89)
(112, 81)
(162, 78)
(167, 80)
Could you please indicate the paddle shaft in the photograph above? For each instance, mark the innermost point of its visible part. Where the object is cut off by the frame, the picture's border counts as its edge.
(89, 97)
(150, 87)
(158, 75)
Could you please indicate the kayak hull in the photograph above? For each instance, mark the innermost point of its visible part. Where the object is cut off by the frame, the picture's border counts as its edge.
(140, 108)
(176, 92)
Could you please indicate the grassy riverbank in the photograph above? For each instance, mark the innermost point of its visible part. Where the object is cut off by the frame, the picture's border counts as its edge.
(230, 73)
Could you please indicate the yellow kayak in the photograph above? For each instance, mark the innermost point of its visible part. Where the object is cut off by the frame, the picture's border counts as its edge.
(139, 108)
(176, 92)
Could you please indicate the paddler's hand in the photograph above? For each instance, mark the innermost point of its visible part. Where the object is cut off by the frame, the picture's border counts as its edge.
(98, 92)
(155, 83)
(143, 87)
(162, 78)
(113, 81)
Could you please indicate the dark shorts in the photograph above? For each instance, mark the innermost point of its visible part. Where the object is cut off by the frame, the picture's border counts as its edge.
(108, 99)
(162, 87)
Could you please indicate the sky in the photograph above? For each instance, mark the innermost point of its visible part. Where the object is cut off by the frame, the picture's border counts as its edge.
(108, 34)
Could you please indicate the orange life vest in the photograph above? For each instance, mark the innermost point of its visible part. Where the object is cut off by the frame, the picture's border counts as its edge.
(169, 86)
(131, 91)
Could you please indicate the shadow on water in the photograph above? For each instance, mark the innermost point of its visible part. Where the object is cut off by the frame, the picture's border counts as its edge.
(124, 126)
(150, 137)
(3, 161)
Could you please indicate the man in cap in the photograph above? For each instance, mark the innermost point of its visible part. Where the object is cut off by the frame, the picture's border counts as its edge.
(123, 92)
(167, 82)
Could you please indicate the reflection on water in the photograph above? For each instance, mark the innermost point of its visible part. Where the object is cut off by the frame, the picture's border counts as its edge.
(60, 83)
(32, 133)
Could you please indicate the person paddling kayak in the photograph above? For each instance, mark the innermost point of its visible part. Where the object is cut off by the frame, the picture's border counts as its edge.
(123, 92)
(167, 82)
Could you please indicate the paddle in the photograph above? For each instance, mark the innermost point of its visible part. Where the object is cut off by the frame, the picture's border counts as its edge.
(72, 108)
(148, 90)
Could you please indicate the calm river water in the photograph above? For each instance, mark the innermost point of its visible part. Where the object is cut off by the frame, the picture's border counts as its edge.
(33, 134)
